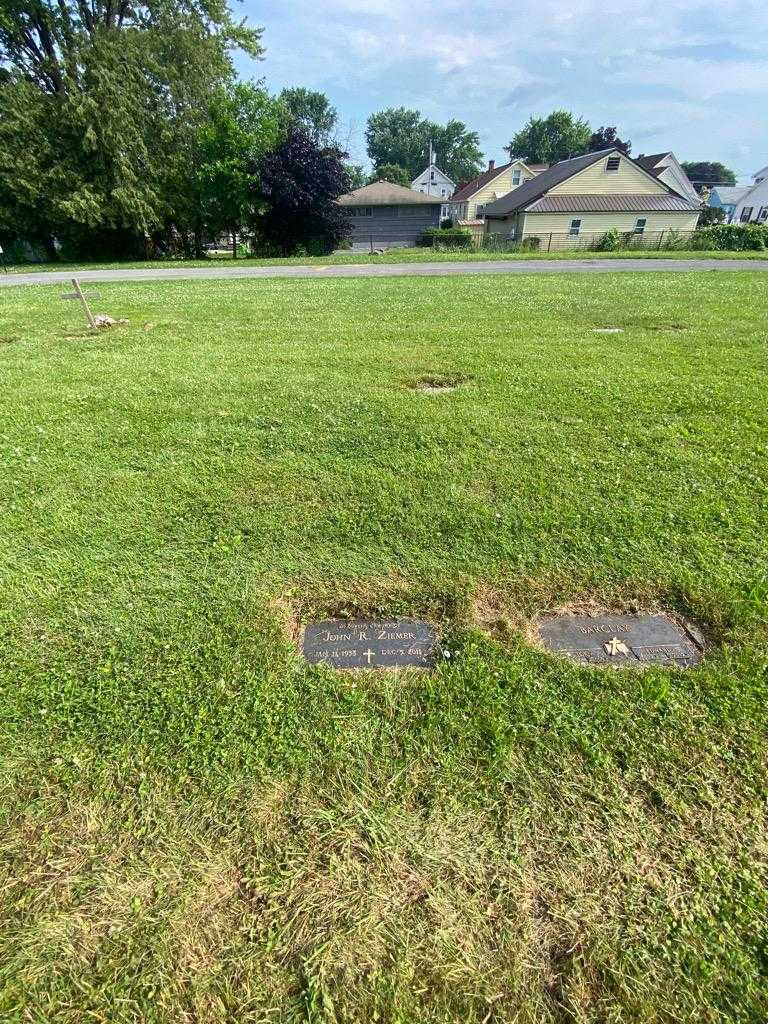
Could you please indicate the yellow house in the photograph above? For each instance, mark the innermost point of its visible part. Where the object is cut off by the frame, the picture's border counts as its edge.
(577, 201)
(469, 201)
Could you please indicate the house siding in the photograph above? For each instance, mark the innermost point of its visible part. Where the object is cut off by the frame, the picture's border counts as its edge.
(499, 186)
(595, 180)
(757, 198)
(524, 225)
(388, 226)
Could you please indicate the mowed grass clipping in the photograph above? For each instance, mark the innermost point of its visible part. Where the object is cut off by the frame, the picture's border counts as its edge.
(198, 827)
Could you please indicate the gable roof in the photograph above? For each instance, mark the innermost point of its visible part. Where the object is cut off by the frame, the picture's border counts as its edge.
(385, 193)
(433, 167)
(525, 196)
(763, 171)
(651, 163)
(536, 187)
(468, 190)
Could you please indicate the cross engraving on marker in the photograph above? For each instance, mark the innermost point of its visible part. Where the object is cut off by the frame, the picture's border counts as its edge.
(615, 646)
(368, 654)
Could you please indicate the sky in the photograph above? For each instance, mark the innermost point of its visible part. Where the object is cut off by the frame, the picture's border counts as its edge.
(686, 76)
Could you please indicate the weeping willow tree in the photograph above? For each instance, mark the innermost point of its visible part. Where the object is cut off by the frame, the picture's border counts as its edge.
(101, 105)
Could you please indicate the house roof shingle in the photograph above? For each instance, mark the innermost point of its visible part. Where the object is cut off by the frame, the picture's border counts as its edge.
(527, 196)
(477, 183)
(385, 193)
(536, 187)
(650, 163)
(468, 190)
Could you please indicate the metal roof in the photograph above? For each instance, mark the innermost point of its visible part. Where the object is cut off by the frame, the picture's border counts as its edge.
(385, 193)
(619, 203)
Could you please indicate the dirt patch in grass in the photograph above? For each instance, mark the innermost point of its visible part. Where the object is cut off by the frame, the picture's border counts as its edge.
(502, 615)
(439, 384)
(388, 598)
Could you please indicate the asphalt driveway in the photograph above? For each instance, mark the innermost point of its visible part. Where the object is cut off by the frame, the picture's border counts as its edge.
(174, 273)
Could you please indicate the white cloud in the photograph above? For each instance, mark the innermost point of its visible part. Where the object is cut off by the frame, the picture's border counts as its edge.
(492, 62)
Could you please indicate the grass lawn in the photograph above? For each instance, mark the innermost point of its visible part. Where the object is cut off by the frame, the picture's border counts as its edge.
(411, 255)
(198, 827)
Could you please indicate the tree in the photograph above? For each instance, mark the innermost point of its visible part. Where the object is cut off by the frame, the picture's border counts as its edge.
(100, 106)
(707, 173)
(402, 137)
(605, 138)
(357, 176)
(392, 172)
(243, 124)
(311, 111)
(298, 184)
(549, 139)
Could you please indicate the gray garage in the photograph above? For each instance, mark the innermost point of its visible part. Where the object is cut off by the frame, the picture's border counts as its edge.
(385, 215)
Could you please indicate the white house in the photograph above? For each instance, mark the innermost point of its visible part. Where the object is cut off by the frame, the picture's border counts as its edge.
(752, 207)
(667, 168)
(727, 198)
(434, 182)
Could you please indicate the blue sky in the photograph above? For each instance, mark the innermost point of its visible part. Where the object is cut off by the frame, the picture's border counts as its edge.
(687, 76)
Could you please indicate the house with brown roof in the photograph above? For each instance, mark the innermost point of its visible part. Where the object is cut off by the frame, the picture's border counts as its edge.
(667, 168)
(384, 215)
(468, 203)
(581, 199)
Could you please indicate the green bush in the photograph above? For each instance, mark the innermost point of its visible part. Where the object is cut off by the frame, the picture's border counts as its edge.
(609, 242)
(530, 244)
(450, 238)
(735, 237)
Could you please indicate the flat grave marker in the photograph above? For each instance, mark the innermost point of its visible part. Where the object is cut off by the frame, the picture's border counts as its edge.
(621, 640)
(370, 643)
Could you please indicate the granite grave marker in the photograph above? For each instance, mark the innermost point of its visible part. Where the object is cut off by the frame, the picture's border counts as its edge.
(367, 643)
(621, 640)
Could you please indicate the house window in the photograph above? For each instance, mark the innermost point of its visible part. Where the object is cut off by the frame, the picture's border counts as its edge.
(362, 211)
(612, 164)
(443, 191)
(479, 210)
(575, 227)
(746, 214)
(410, 211)
(515, 177)
(640, 225)
(431, 175)
(763, 215)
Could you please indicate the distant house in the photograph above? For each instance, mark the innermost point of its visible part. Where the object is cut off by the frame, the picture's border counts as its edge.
(752, 206)
(587, 196)
(385, 215)
(667, 168)
(727, 198)
(469, 202)
(434, 182)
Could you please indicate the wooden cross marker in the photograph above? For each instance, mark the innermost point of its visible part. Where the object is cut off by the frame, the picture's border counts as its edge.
(86, 307)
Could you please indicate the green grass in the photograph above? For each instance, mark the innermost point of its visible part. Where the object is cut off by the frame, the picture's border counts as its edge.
(393, 256)
(197, 826)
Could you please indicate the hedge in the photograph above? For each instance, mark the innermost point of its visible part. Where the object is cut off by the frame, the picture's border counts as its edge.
(451, 238)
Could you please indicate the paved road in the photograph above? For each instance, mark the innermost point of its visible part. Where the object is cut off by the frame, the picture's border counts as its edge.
(165, 273)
